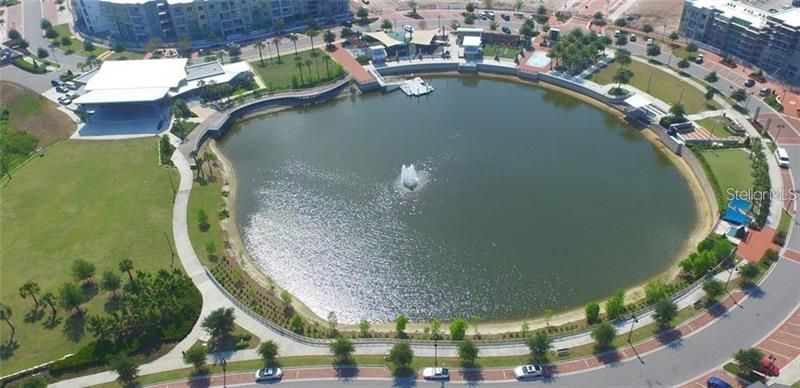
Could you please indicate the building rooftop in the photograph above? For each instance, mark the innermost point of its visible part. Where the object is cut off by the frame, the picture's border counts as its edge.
(754, 12)
(203, 70)
(471, 41)
(134, 81)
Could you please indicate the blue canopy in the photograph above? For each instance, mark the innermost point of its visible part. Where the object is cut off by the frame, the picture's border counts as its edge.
(737, 212)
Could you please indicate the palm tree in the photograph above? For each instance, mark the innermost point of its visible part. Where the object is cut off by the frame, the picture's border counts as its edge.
(276, 42)
(327, 60)
(126, 265)
(30, 288)
(308, 63)
(329, 38)
(110, 282)
(260, 46)
(311, 34)
(293, 38)
(677, 110)
(299, 66)
(209, 157)
(50, 299)
(5, 314)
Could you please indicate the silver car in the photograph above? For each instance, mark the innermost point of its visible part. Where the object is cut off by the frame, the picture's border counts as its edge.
(528, 372)
(268, 374)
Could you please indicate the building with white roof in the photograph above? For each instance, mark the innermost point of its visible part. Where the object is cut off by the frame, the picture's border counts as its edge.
(125, 96)
(767, 36)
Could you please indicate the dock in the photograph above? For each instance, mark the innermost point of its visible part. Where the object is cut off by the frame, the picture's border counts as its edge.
(416, 87)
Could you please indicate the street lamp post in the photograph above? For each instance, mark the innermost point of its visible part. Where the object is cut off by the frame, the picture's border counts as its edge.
(633, 323)
(730, 274)
(436, 351)
(224, 373)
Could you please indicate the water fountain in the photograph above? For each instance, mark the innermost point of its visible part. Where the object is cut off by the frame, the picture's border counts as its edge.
(408, 176)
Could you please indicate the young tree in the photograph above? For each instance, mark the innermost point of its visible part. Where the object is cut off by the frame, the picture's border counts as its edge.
(386, 24)
(268, 351)
(332, 322)
(604, 334)
(615, 306)
(467, 352)
(342, 350)
(711, 77)
(748, 359)
(110, 282)
(13, 34)
(286, 297)
(539, 345)
(623, 57)
(401, 355)
(363, 14)
(329, 37)
(436, 328)
(50, 299)
(647, 28)
(196, 356)
(400, 325)
(83, 271)
(260, 46)
(684, 63)
(592, 313)
(739, 95)
(524, 327)
(474, 321)
(653, 50)
(666, 311)
(88, 46)
(363, 327)
(70, 297)
(458, 329)
(622, 76)
(749, 272)
(127, 372)
(30, 289)
(678, 111)
(42, 53)
(296, 323)
(126, 265)
(45, 24)
(219, 323)
(673, 36)
(656, 290)
(5, 314)
(470, 7)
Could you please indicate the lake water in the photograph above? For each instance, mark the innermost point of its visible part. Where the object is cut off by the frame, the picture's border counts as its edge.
(529, 200)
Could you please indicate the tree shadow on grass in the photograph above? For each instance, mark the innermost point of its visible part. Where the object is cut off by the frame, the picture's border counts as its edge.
(53, 322)
(8, 348)
(75, 327)
(34, 315)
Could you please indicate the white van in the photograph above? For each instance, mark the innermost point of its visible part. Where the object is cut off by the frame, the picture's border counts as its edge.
(782, 157)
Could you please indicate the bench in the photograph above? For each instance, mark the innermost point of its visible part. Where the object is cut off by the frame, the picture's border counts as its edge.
(563, 352)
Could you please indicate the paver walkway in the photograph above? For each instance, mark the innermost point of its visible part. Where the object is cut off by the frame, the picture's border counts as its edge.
(340, 55)
(757, 242)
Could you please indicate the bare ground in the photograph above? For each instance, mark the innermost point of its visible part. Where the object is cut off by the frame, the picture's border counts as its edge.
(659, 13)
(34, 114)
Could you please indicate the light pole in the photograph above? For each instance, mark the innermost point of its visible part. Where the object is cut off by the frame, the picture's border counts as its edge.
(780, 127)
(730, 274)
(633, 323)
(224, 374)
(436, 350)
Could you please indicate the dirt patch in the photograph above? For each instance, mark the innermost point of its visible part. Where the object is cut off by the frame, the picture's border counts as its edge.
(658, 13)
(34, 114)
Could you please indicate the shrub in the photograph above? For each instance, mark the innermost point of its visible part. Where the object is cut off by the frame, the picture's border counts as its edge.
(467, 352)
(748, 359)
(666, 310)
(592, 313)
(779, 238)
(615, 306)
(749, 272)
(458, 329)
(604, 334)
(713, 288)
(656, 290)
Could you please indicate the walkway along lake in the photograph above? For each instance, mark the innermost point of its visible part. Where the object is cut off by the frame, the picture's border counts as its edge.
(529, 199)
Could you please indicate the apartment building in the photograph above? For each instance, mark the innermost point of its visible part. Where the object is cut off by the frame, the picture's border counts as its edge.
(138, 21)
(766, 35)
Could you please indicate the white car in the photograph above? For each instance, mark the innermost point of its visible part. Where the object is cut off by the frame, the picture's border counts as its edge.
(64, 100)
(268, 374)
(435, 374)
(528, 372)
(782, 157)
(71, 85)
(408, 28)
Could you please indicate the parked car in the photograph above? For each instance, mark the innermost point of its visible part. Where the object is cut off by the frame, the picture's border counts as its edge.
(71, 95)
(347, 24)
(632, 38)
(71, 85)
(64, 100)
(506, 30)
(436, 374)
(767, 366)
(56, 82)
(61, 89)
(268, 374)
(505, 16)
(765, 92)
(528, 372)
(490, 14)
(232, 45)
(749, 82)
(716, 382)
(782, 157)
(650, 41)
(699, 58)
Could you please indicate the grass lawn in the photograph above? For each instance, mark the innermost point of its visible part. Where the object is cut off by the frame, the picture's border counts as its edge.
(785, 222)
(491, 50)
(123, 55)
(206, 196)
(278, 76)
(76, 46)
(663, 86)
(718, 126)
(98, 201)
(34, 114)
(732, 168)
